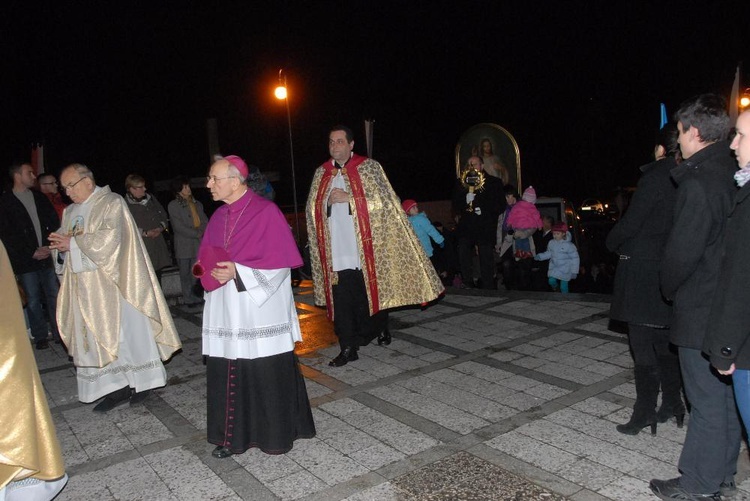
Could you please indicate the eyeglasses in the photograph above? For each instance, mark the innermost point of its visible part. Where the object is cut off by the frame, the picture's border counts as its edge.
(215, 179)
(71, 186)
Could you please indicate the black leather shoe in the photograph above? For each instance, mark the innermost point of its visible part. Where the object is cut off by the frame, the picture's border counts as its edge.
(348, 354)
(221, 452)
(114, 399)
(139, 397)
(42, 344)
(384, 338)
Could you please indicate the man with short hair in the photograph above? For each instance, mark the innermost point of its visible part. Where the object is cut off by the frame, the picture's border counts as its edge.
(539, 269)
(111, 310)
(689, 277)
(364, 254)
(542, 238)
(48, 185)
(28, 219)
(256, 392)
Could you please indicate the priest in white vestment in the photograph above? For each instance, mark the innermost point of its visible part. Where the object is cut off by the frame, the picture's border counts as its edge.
(111, 310)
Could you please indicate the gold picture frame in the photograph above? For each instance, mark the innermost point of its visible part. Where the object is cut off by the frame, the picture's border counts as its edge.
(504, 146)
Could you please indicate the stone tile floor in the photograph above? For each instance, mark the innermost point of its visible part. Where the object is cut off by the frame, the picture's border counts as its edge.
(494, 396)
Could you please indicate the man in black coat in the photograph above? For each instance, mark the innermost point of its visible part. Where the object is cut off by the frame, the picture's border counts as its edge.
(478, 211)
(28, 218)
(689, 277)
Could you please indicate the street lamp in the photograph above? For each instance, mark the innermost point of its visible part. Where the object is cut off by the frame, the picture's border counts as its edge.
(281, 93)
(745, 99)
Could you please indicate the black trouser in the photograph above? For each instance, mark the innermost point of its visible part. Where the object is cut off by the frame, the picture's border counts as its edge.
(712, 442)
(486, 262)
(508, 269)
(351, 313)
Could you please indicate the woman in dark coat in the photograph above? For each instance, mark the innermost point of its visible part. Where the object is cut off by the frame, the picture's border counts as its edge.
(639, 238)
(152, 221)
(729, 322)
(188, 224)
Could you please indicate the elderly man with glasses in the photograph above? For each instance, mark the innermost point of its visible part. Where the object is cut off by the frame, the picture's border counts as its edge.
(111, 311)
(256, 392)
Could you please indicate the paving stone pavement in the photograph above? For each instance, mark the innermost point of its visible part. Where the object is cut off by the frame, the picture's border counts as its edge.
(482, 396)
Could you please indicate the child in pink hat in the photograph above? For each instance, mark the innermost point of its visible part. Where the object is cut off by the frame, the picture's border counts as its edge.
(525, 219)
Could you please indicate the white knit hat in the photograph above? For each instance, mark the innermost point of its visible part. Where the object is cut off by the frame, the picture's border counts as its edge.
(529, 194)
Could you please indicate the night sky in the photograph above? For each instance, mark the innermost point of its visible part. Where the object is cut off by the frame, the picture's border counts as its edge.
(128, 86)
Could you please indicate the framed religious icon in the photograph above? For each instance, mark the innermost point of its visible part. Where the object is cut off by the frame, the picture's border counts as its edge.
(496, 147)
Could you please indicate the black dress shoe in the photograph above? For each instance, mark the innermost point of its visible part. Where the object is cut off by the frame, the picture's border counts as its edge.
(384, 338)
(348, 354)
(42, 344)
(221, 452)
(114, 399)
(139, 397)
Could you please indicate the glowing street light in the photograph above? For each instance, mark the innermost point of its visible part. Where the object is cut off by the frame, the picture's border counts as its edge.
(745, 99)
(281, 93)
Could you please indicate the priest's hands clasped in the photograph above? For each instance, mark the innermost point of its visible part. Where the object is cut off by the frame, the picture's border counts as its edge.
(59, 242)
(338, 196)
(224, 272)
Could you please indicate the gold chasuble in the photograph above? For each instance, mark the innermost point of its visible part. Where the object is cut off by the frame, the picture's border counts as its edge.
(28, 443)
(109, 239)
(396, 269)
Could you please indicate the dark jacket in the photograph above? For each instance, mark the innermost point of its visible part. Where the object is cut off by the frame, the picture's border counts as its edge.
(187, 238)
(729, 320)
(692, 257)
(17, 231)
(541, 241)
(149, 214)
(480, 225)
(639, 238)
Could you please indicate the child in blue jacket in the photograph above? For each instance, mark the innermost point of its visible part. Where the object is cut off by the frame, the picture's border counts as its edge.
(422, 227)
(563, 258)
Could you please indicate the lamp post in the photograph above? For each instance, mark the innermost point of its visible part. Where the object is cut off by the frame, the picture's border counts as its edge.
(282, 93)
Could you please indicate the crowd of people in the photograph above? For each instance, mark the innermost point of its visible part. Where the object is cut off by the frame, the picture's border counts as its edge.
(87, 268)
(84, 270)
(681, 288)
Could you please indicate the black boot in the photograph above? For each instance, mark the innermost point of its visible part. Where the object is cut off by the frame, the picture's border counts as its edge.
(384, 338)
(671, 391)
(644, 410)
